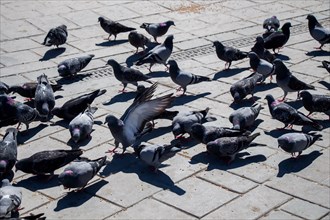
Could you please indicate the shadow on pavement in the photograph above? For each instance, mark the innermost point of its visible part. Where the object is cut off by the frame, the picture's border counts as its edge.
(181, 100)
(318, 53)
(111, 43)
(39, 182)
(73, 79)
(228, 73)
(52, 53)
(25, 135)
(325, 84)
(121, 97)
(158, 74)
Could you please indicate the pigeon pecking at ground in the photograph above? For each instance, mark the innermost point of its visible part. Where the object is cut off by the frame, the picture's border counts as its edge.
(261, 66)
(288, 82)
(228, 54)
(127, 75)
(56, 36)
(230, 146)
(113, 27)
(155, 155)
(44, 99)
(10, 199)
(75, 106)
(278, 39)
(288, 115)
(158, 54)
(317, 31)
(134, 123)
(297, 142)
(157, 29)
(81, 126)
(71, 66)
(315, 102)
(205, 134)
(240, 89)
(259, 49)
(137, 40)
(243, 118)
(79, 173)
(8, 151)
(183, 78)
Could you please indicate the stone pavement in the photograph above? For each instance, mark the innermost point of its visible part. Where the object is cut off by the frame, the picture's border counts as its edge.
(264, 183)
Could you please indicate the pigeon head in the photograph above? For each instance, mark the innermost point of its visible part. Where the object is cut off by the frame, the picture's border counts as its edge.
(112, 63)
(280, 68)
(197, 131)
(58, 112)
(305, 94)
(212, 147)
(140, 89)
(259, 39)
(144, 25)
(269, 98)
(15, 89)
(217, 44)
(177, 130)
(286, 26)
(63, 27)
(173, 65)
(114, 122)
(138, 149)
(311, 18)
(67, 178)
(237, 97)
(42, 79)
(24, 165)
(284, 143)
(169, 23)
(75, 134)
(169, 41)
(12, 132)
(62, 70)
(253, 56)
(3, 166)
(101, 19)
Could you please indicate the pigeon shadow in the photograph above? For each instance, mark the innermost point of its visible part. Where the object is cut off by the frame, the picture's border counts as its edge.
(121, 97)
(76, 199)
(228, 73)
(325, 124)
(25, 135)
(68, 80)
(118, 163)
(158, 74)
(318, 53)
(111, 43)
(295, 165)
(181, 100)
(40, 182)
(79, 144)
(279, 132)
(256, 123)
(325, 84)
(244, 103)
(130, 61)
(282, 57)
(264, 87)
(295, 103)
(156, 133)
(52, 53)
(63, 123)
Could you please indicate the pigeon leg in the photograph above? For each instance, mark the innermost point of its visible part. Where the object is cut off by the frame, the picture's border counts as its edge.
(271, 78)
(81, 189)
(18, 126)
(123, 90)
(155, 38)
(150, 67)
(166, 69)
(179, 89)
(309, 114)
(115, 36)
(113, 150)
(319, 48)
(137, 49)
(28, 99)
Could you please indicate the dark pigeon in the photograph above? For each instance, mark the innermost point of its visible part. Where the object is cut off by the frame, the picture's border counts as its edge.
(56, 36)
(261, 66)
(157, 29)
(44, 99)
(70, 67)
(288, 115)
(317, 31)
(315, 102)
(75, 106)
(279, 38)
(113, 27)
(28, 90)
(271, 23)
(10, 199)
(8, 151)
(259, 49)
(228, 54)
(243, 118)
(137, 40)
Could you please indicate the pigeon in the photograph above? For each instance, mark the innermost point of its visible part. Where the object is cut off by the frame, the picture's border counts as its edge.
(45, 162)
(133, 123)
(158, 54)
(317, 31)
(297, 142)
(78, 174)
(4, 88)
(261, 66)
(228, 54)
(326, 65)
(28, 90)
(71, 66)
(113, 27)
(240, 89)
(10, 199)
(271, 23)
(8, 151)
(155, 155)
(137, 40)
(44, 99)
(287, 81)
(75, 106)
(183, 122)
(205, 134)
(183, 78)
(288, 115)
(81, 126)
(230, 146)
(244, 117)
(315, 103)
(260, 50)
(127, 75)
(56, 36)
(278, 39)
(157, 29)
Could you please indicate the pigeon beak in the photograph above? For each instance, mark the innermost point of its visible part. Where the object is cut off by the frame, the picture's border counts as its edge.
(279, 146)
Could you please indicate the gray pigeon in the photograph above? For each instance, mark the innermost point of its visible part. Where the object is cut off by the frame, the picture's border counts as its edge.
(127, 75)
(154, 155)
(317, 31)
(228, 54)
(81, 126)
(137, 40)
(133, 123)
(10, 199)
(277, 39)
(271, 23)
(78, 174)
(259, 49)
(244, 117)
(326, 65)
(261, 66)
(183, 78)
(56, 36)
(44, 98)
(71, 66)
(315, 102)
(297, 142)
(4, 88)
(230, 146)
(157, 29)
(287, 81)
(8, 151)
(113, 27)
(158, 54)
(183, 122)
(288, 115)
(205, 134)
(240, 89)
